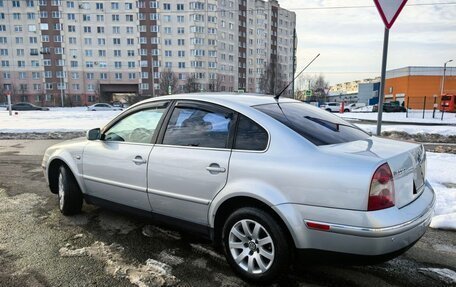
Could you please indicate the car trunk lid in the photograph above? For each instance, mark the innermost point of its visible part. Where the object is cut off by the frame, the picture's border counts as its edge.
(407, 162)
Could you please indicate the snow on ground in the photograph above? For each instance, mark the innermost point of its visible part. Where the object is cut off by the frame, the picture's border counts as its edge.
(79, 119)
(57, 119)
(411, 129)
(414, 116)
(441, 174)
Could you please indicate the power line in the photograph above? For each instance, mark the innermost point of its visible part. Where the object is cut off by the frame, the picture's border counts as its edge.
(103, 12)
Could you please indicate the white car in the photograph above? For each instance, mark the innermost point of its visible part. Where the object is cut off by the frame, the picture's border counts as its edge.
(331, 107)
(103, 107)
(353, 106)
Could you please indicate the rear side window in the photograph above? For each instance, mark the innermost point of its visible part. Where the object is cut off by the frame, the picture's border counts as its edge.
(190, 126)
(250, 135)
(314, 124)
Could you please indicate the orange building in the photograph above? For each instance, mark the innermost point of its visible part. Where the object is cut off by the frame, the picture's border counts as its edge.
(419, 86)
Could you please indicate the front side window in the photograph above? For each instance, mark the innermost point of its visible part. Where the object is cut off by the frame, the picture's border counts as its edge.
(314, 124)
(138, 127)
(191, 126)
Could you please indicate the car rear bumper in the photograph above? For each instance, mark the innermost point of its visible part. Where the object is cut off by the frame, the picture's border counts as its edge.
(361, 232)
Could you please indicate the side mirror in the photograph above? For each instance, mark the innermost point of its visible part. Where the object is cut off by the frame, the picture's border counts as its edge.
(94, 134)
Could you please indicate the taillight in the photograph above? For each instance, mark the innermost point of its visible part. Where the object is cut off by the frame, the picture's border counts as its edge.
(381, 193)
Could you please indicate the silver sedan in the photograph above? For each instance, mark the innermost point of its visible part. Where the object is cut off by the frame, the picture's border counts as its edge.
(263, 178)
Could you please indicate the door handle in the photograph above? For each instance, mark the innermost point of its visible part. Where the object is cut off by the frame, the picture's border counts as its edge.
(139, 160)
(214, 168)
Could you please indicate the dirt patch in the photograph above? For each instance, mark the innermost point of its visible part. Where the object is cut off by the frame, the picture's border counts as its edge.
(420, 137)
(153, 273)
(42, 136)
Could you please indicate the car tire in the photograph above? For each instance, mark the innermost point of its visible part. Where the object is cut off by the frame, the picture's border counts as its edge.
(346, 111)
(69, 193)
(328, 110)
(242, 237)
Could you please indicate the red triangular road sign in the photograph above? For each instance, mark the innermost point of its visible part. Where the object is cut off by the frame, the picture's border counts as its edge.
(389, 10)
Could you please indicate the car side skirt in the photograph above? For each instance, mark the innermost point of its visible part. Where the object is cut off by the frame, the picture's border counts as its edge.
(200, 230)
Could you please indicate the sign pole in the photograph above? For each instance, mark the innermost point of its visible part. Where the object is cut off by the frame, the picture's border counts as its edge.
(9, 104)
(381, 95)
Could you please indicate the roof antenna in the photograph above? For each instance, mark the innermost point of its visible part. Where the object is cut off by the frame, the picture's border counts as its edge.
(284, 89)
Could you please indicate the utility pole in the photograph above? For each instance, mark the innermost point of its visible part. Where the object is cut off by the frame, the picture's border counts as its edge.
(442, 90)
(294, 62)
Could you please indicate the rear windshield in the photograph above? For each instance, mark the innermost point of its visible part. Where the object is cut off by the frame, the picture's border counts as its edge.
(446, 98)
(316, 125)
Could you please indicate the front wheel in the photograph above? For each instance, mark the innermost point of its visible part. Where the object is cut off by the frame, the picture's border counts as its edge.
(255, 245)
(70, 195)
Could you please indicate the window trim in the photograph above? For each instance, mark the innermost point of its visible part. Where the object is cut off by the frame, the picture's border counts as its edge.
(139, 108)
(203, 106)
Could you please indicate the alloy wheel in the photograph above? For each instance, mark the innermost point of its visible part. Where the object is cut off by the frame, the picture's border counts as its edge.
(251, 246)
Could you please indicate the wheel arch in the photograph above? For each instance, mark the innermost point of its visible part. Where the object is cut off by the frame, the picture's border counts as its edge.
(52, 172)
(231, 204)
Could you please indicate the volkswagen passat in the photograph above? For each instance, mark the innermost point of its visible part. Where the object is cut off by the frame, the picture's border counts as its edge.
(263, 177)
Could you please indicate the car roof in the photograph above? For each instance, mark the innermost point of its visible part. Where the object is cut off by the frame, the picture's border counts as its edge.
(232, 100)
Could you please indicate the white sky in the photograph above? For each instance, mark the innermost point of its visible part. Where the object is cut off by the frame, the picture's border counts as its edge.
(351, 40)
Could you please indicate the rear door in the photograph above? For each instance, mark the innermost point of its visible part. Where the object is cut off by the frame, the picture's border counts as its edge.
(189, 164)
(115, 167)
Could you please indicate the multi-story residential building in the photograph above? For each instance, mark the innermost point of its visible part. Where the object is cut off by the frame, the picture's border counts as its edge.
(85, 50)
(350, 87)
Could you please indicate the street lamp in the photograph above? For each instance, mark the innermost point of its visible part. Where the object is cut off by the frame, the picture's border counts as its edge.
(443, 78)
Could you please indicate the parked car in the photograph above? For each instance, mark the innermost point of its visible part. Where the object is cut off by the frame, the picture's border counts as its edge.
(353, 106)
(390, 108)
(27, 107)
(264, 178)
(331, 107)
(117, 104)
(103, 107)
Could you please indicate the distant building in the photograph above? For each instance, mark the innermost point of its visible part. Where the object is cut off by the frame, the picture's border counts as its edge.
(350, 87)
(350, 91)
(413, 84)
(87, 50)
(368, 93)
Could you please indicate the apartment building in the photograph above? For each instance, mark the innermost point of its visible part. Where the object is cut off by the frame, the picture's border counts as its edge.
(86, 51)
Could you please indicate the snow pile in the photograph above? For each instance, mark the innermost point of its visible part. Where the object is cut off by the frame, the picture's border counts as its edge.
(57, 119)
(153, 273)
(411, 129)
(413, 117)
(441, 174)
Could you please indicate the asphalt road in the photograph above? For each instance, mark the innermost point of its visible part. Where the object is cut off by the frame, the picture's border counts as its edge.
(41, 247)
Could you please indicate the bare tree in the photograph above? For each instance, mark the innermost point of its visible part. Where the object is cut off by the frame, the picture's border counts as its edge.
(168, 82)
(215, 83)
(319, 87)
(268, 79)
(191, 86)
(271, 81)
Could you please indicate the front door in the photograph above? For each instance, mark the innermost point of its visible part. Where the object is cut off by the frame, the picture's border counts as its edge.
(114, 168)
(190, 165)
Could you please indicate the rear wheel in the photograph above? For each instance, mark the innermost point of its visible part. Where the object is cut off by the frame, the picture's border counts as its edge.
(70, 195)
(328, 110)
(255, 245)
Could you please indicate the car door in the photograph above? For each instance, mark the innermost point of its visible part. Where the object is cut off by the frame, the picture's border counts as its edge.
(189, 164)
(115, 167)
